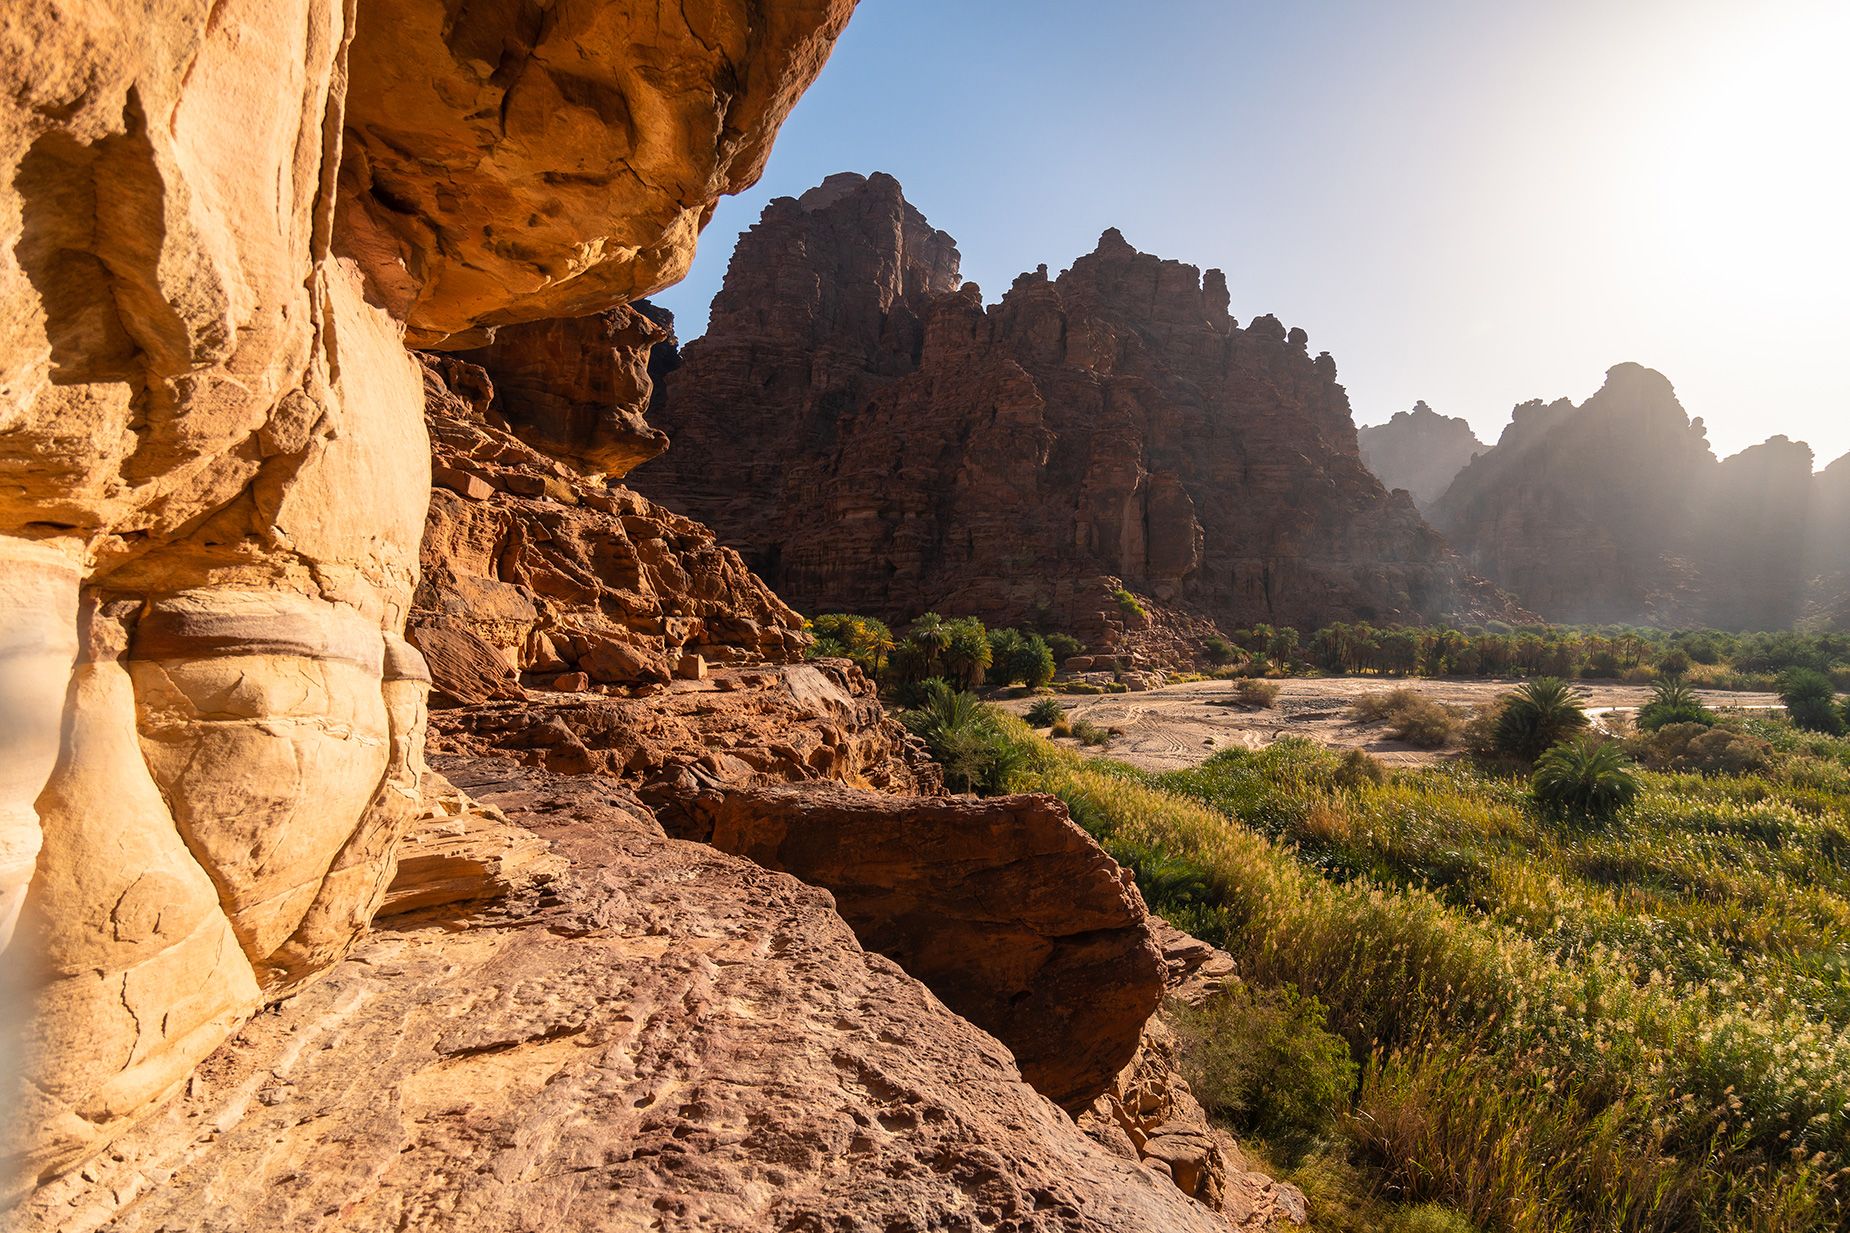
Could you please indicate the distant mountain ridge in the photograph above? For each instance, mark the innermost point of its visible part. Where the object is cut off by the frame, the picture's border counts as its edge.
(1617, 510)
(1420, 451)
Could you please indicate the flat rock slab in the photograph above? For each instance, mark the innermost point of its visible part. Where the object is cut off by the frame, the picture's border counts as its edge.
(663, 1037)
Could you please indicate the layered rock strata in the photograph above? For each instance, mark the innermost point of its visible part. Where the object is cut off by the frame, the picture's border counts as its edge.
(904, 448)
(661, 1036)
(217, 222)
(1420, 451)
(1616, 510)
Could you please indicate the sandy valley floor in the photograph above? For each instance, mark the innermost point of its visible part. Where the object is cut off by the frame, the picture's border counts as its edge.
(1179, 725)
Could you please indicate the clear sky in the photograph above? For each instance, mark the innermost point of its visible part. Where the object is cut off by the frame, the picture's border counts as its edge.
(1465, 201)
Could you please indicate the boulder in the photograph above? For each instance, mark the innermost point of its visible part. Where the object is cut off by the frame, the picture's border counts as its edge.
(1004, 907)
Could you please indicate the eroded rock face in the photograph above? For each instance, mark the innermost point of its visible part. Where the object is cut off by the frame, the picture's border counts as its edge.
(669, 1037)
(1616, 510)
(209, 531)
(1004, 907)
(578, 387)
(904, 448)
(1420, 451)
(510, 162)
(213, 465)
(533, 571)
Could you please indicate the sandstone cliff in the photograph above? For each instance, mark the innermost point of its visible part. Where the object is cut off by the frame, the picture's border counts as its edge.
(1420, 451)
(1616, 510)
(217, 223)
(902, 447)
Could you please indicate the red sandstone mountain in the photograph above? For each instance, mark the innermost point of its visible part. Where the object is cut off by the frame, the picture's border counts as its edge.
(873, 438)
(1616, 510)
(1419, 450)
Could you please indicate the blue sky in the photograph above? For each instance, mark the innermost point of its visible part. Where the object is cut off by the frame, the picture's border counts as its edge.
(1469, 203)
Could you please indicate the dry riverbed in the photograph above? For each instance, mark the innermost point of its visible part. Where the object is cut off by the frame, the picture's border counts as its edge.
(1177, 726)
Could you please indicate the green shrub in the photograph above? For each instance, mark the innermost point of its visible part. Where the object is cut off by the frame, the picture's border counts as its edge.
(1218, 649)
(1701, 748)
(1265, 1061)
(1045, 713)
(868, 642)
(1412, 717)
(1088, 733)
(1129, 603)
(1254, 692)
(1587, 778)
(1018, 658)
(1357, 768)
(1673, 702)
(965, 739)
(1538, 715)
(1811, 700)
(1064, 647)
(1674, 663)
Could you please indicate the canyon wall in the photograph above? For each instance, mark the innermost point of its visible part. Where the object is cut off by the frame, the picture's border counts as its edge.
(905, 448)
(1420, 451)
(1616, 510)
(219, 223)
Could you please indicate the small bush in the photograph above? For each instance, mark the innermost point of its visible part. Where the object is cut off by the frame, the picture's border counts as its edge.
(1358, 768)
(1589, 778)
(1673, 702)
(1811, 700)
(1254, 692)
(1218, 649)
(1537, 716)
(1129, 603)
(1411, 717)
(1088, 733)
(1265, 1061)
(1703, 749)
(1674, 663)
(1046, 713)
(1064, 647)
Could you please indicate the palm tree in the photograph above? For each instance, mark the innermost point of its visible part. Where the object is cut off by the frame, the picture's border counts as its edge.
(1589, 778)
(1539, 715)
(967, 655)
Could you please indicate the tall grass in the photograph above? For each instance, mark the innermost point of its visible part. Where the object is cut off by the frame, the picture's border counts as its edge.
(1640, 1029)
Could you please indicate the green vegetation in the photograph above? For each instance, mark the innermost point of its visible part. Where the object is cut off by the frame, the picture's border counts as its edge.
(1556, 1027)
(1673, 701)
(966, 738)
(1536, 716)
(1255, 692)
(1218, 650)
(1045, 713)
(1261, 1060)
(843, 635)
(1064, 647)
(1016, 658)
(1811, 700)
(1709, 658)
(1129, 603)
(1589, 778)
(1411, 717)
